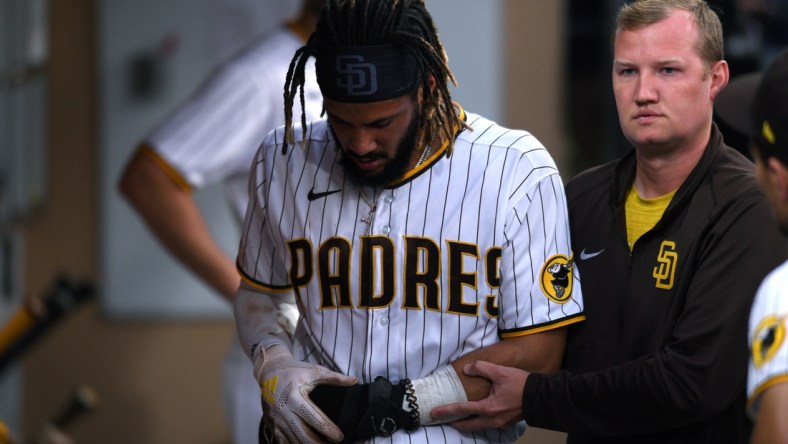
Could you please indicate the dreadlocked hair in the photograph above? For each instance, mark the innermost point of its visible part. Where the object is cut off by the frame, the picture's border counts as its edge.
(405, 23)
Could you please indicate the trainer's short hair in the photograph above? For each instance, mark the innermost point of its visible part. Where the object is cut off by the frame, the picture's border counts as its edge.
(640, 13)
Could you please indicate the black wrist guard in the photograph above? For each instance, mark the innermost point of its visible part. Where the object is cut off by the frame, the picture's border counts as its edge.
(364, 411)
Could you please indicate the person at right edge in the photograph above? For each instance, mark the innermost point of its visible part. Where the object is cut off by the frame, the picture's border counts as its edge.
(756, 103)
(672, 241)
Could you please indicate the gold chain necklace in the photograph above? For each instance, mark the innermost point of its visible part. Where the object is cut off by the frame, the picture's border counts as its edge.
(371, 215)
(427, 149)
(424, 154)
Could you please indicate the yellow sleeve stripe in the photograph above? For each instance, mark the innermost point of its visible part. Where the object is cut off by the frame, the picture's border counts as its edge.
(544, 327)
(777, 379)
(259, 286)
(168, 169)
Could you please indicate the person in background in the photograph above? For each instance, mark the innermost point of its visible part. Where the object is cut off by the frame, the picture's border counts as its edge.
(211, 139)
(757, 102)
(671, 242)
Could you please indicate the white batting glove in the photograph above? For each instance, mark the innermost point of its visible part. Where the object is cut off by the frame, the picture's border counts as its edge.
(285, 384)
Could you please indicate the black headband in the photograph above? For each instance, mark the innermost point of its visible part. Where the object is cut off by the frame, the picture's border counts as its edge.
(361, 74)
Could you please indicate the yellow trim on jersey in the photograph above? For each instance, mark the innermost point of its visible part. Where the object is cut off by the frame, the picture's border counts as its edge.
(254, 284)
(642, 214)
(771, 382)
(429, 160)
(563, 323)
(165, 166)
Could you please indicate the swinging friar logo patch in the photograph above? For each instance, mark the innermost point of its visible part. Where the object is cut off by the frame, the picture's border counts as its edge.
(556, 278)
(767, 339)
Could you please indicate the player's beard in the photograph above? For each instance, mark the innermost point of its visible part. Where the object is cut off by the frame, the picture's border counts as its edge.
(394, 169)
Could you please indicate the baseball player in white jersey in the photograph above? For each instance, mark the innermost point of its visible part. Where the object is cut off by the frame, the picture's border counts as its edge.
(402, 237)
(768, 345)
(767, 383)
(755, 104)
(212, 139)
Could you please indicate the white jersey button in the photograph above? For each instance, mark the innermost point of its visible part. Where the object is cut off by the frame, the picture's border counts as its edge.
(386, 229)
(384, 321)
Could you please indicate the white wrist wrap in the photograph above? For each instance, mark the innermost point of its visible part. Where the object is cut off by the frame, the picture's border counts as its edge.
(442, 387)
(264, 320)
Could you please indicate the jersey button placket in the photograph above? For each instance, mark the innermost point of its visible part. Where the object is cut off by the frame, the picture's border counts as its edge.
(388, 198)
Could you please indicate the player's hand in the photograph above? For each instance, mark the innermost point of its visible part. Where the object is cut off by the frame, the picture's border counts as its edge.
(503, 406)
(285, 384)
(368, 410)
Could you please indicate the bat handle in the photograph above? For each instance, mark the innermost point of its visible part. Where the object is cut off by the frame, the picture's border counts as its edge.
(83, 400)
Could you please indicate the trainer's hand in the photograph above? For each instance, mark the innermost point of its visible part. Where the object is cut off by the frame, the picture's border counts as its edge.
(503, 406)
(285, 384)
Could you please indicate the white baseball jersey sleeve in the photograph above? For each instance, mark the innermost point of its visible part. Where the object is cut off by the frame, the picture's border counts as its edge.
(213, 137)
(463, 251)
(768, 346)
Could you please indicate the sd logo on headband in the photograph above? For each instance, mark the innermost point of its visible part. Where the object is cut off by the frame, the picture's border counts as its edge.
(360, 78)
(362, 74)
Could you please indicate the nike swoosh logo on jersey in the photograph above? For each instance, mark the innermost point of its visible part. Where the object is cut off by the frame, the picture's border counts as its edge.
(586, 256)
(314, 196)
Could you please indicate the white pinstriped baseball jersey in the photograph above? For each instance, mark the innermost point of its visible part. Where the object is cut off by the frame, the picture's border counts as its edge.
(768, 345)
(213, 137)
(462, 251)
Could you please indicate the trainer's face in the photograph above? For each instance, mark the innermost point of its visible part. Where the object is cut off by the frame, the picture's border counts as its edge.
(664, 91)
(377, 139)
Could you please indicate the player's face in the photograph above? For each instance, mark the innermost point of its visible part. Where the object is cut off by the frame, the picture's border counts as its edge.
(377, 140)
(664, 91)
